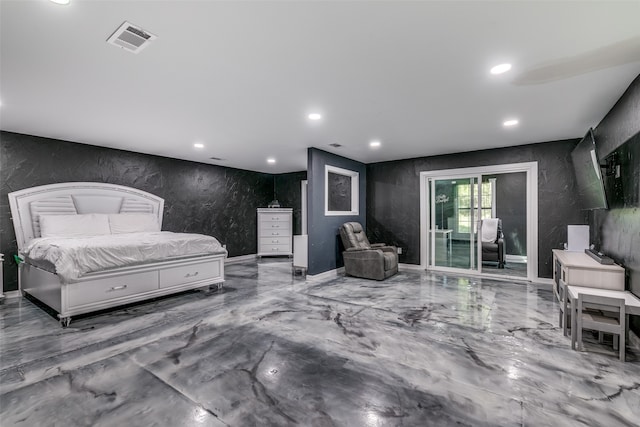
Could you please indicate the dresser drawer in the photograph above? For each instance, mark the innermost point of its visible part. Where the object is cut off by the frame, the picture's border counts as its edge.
(189, 273)
(275, 249)
(275, 240)
(278, 217)
(111, 288)
(275, 230)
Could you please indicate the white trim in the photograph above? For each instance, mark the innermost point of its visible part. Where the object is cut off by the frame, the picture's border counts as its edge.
(331, 274)
(355, 190)
(304, 188)
(240, 258)
(417, 267)
(531, 169)
(518, 259)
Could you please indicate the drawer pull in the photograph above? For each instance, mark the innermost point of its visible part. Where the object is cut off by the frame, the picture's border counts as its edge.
(275, 249)
(275, 226)
(275, 241)
(117, 288)
(191, 275)
(275, 234)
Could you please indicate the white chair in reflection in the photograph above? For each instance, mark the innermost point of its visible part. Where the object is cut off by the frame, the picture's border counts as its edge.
(609, 319)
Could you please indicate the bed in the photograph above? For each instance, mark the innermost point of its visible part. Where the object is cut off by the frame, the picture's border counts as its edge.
(90, 246)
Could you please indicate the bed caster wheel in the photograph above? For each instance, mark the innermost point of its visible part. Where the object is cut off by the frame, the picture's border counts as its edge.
(65, 321)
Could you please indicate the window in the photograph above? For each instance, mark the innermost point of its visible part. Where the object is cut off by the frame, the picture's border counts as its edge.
(463, 196)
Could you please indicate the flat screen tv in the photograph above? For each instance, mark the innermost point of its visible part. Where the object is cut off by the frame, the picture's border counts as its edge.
(588, 174)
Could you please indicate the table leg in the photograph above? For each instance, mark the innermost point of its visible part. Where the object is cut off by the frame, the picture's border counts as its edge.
(573, 324)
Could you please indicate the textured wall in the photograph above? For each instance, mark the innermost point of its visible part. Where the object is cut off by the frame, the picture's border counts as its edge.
(511, 207)
(393, 189)
(199, 198)
(325, 248)
(616, 231)
(289, 193)
(621, 123)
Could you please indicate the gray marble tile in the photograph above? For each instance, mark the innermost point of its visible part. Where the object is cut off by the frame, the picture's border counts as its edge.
(274, 349)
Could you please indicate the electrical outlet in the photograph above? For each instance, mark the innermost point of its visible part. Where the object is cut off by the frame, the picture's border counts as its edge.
(399, 251)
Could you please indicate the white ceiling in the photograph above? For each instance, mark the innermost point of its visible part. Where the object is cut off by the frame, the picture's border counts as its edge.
(241, 76)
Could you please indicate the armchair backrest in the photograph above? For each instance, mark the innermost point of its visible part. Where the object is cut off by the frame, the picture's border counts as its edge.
(491, 230)
(353, 236)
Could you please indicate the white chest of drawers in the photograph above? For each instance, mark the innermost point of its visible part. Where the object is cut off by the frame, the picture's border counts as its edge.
(275, 230)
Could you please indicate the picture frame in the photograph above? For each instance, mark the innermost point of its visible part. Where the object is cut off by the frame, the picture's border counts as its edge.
(341, 191)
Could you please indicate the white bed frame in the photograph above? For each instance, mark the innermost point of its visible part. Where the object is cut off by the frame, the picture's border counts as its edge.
(97, 291)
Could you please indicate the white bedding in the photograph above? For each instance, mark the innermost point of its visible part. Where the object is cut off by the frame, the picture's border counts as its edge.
(75, 257)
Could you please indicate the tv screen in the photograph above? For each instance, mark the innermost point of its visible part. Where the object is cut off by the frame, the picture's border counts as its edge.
(588, 174)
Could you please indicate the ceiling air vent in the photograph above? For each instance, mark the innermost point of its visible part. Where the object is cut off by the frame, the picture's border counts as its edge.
(215, 158)
(131, 37)
(335, 145)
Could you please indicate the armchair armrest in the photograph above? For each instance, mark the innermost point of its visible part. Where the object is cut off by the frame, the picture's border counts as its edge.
(378, 245)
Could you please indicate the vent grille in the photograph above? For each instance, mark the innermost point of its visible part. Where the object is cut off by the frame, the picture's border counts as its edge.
(335, 145)
(131, 37)
(215, 158)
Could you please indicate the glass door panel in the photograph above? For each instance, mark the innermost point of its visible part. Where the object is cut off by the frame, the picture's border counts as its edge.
(453, 223)
(504, 197)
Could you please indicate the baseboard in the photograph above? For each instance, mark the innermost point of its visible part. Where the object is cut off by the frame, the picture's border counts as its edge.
(417, 267)
(326, 274)
(542, 281)
(518, 259)
(12, 294)
(241, 258)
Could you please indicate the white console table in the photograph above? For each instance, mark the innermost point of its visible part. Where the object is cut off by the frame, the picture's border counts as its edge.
(444, 236)
(579, 269)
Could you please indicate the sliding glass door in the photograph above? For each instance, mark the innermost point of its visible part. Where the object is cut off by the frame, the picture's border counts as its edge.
(453, 205)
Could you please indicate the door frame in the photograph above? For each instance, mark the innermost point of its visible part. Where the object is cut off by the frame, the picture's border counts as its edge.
(531, 170)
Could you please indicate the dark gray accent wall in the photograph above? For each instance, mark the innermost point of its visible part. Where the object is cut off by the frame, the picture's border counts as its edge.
(199, 198)
(616, 232)
(511, 208)
(621, 123)
(325, 247)
(289, 193)
(393, 190)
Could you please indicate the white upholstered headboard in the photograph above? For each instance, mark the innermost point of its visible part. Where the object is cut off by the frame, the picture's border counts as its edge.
(75, 198)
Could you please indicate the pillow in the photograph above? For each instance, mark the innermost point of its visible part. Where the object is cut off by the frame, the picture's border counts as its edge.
(74, 225)
(133, 223)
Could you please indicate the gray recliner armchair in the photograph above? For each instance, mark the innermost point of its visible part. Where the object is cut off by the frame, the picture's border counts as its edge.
(362, 259)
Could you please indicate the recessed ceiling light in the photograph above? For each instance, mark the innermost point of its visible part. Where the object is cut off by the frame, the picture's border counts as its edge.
(198, 145)
(60, 1)
(374, 144)
(271, 160)
(314, 116)
(508, 123)
(502, 68)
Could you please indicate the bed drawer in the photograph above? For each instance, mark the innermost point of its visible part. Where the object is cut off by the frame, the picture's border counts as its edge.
(189, 273)
(110, 288)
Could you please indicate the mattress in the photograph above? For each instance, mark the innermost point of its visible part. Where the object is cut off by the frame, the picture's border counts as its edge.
(77, 256)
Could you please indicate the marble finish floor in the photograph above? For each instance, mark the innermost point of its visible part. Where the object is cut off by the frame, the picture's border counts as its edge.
(272, 349)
